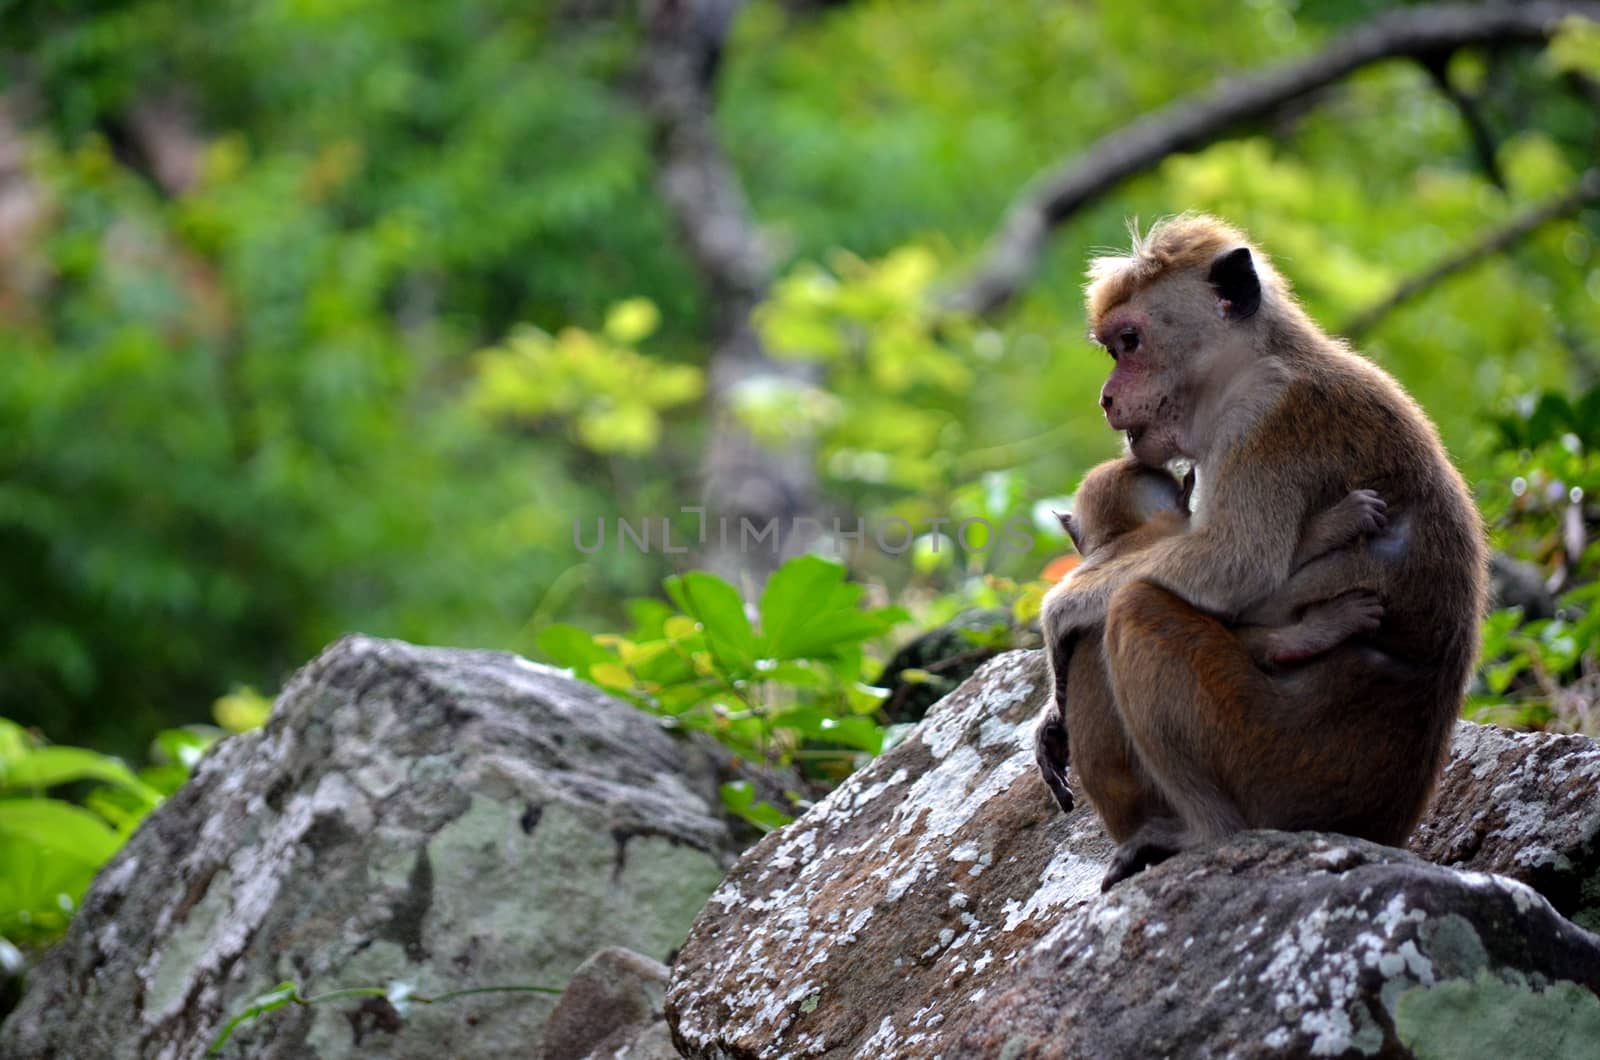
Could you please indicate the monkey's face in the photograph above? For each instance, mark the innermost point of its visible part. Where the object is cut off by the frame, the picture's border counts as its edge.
(1174, 343)
(1145, 395)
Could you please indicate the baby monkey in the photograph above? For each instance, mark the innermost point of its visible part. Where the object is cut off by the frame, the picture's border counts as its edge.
(1123, 507)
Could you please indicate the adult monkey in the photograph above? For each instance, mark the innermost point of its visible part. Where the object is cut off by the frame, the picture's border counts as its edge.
(1217, 363)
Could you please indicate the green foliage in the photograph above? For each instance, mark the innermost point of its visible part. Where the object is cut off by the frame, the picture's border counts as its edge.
(65, 810)
(1575, 49)
(789, 687)
(1487, 1018)
(614, 393)
(739, 799)
(231, 418)
(240, 412)
(52, 847)
(891, 361)
(896, 413)
(1541, 673)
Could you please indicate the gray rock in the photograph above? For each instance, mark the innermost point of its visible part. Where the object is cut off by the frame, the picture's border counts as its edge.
(446, 819)
(937, 903)
(1526, 805)
(611, 1009)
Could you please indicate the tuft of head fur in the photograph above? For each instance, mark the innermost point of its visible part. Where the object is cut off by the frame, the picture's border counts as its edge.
(1174, 244)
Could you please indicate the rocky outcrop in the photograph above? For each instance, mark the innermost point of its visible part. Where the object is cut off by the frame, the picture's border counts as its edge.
(938, 904)
(612, 1007)
(1526, 805)
(440, 819)
(436, 821)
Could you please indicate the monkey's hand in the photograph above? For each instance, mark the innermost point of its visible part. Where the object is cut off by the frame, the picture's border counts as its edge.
(1051, 752)
(1326, 625)
(1365, 510)
(1360, 513)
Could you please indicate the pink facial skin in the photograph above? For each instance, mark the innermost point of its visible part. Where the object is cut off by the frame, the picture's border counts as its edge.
(1131, 398)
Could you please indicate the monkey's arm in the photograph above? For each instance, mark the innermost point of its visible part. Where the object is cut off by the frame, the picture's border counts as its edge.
(1325, 625)
(1359, 512)
(1239, 551)
(1051, 748)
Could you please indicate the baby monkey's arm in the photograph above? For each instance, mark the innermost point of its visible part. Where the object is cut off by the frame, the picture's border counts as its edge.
(1271, 632)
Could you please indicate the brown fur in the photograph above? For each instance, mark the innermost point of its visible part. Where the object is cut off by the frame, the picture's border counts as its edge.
(1123, 507)
(1186, 242)
(1282, 422)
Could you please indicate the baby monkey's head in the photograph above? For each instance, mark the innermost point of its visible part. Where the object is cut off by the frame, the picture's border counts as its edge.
(1122, 495)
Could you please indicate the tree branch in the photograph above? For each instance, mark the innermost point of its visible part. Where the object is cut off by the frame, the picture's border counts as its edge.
(743, 478)
(683, 41)
(1584, 192)
(1438, 67)
(1188, 124)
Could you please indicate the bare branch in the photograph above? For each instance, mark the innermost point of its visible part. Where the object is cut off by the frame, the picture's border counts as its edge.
(743, 479)
(1438, 67)
(683, 40)
(1581, 194)
(1196, 121)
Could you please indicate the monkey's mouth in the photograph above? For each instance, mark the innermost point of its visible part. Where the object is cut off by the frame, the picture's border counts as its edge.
(1134, 434)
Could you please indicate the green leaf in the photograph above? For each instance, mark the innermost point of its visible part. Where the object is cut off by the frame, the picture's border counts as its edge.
(572, 648)
(791, 600)
(716, 606)
(739, 797)
(39, 890)
(1575, 48)
(649, 617)
(796, 673)
(68, 831)
(242, 710)
(46, 767)
(15, 741)
(821, 725)
(632, 321)
(118, 806)
(612, 676)
(661, 663)
(861, 733)
(864, 698)
(183, 747)
(841, 629)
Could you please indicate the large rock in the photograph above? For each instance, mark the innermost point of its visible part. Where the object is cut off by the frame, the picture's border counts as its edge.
(938, 904)
(1526, 805)
(612, 1007)
(447, 819)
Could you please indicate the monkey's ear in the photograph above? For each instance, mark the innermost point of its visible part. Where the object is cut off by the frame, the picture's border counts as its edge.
(1233, 277)
(1186, 492)
(1070, 525)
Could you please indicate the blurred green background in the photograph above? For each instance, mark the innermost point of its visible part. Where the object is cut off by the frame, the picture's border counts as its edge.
(332, 315)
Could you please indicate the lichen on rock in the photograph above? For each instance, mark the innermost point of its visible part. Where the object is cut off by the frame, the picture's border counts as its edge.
(937, 904)
(444, 819)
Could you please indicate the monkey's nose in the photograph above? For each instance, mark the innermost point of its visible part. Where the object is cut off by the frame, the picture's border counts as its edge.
(1105, 401)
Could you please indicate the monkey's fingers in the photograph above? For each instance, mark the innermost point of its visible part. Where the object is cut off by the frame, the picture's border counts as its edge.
(1350, 614)
(1050, 751)
(1371, 513)
(1056, 781)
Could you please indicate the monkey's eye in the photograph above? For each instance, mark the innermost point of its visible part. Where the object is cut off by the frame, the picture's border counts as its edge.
(1127, 341)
